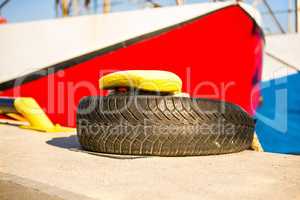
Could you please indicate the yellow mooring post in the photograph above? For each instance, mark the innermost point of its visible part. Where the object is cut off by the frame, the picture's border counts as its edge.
(26, 108)
(37, 118)
(256, 146)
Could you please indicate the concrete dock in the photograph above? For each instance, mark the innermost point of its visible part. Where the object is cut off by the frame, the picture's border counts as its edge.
(35, 165)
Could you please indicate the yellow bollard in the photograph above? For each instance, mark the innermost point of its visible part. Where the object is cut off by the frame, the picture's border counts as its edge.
(256, 146)
(35, 115)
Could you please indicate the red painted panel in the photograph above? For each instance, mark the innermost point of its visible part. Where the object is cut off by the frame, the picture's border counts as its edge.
(3, 20)
(217, 56)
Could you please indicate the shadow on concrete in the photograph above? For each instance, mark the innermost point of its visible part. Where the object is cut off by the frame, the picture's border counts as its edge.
(71, 143)
(114, 156)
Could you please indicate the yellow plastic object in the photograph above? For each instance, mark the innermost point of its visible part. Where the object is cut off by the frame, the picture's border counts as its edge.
(16, 117)
(149, 80)
(37, 118)
(256, 146)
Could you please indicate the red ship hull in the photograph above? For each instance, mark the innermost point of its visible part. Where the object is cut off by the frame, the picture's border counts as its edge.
(218, 56)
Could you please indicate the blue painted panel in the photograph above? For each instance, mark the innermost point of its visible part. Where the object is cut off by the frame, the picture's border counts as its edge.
(278, 119)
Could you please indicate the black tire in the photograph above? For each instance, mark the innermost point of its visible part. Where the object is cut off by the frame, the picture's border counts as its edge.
(162, 126)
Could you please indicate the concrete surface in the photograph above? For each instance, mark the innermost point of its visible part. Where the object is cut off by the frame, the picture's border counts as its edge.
(13, 191)
(51, 165)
